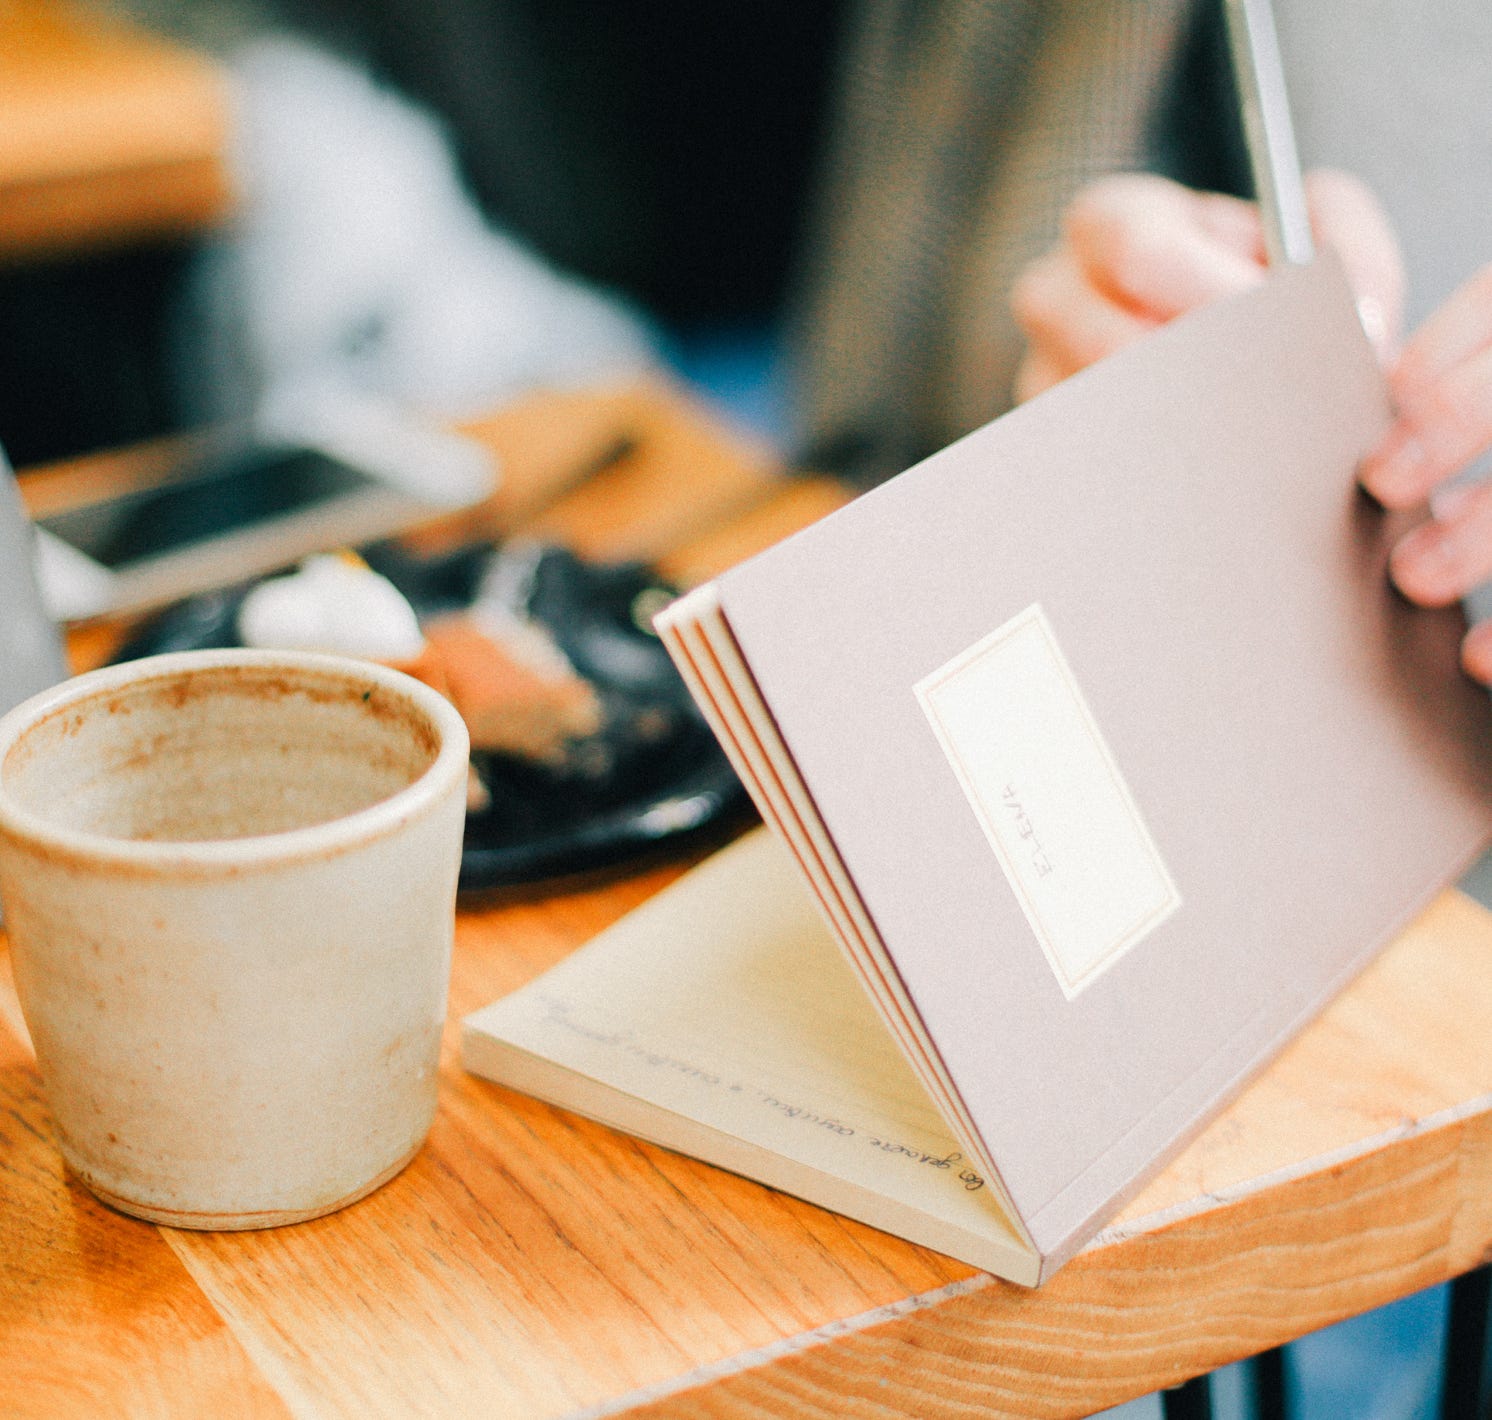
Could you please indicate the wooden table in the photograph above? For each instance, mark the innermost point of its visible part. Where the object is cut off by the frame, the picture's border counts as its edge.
(531, 1264)
(107, 134)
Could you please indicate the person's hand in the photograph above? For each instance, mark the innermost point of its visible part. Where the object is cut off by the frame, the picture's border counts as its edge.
(1442, 387)
(1138, 250)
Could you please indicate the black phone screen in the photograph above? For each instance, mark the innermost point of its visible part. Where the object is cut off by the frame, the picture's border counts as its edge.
(237, 490)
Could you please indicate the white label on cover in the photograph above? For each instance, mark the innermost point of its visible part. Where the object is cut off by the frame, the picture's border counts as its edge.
(1049, 797)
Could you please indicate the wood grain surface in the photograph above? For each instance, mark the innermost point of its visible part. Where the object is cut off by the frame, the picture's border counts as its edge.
(532, 1264)
(106, 133)
(97, 1315)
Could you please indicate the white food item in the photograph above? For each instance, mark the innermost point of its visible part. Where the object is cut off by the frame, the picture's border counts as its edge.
(334, 604)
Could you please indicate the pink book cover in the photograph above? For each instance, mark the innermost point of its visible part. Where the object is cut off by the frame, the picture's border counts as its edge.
(1130, 751)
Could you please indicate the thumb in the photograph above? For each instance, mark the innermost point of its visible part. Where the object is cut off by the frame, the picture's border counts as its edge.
(1349, 219)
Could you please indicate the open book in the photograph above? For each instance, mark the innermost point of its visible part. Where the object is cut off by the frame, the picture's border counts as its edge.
(1106, 756)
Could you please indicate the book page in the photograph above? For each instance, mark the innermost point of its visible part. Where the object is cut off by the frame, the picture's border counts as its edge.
(698, 638)
(726, 1006)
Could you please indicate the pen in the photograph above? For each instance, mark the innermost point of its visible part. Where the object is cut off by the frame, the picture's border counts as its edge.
(1268, 132)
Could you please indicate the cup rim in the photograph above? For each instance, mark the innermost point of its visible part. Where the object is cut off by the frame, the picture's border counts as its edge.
(305, 842)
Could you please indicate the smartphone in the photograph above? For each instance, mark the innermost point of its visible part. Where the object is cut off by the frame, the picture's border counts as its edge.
(30, 650)
(236, 510)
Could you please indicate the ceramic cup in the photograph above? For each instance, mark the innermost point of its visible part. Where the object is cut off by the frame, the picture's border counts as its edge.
(229, 879)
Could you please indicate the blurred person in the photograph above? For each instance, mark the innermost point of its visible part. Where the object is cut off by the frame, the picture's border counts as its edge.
(869, 176)
(964, 128)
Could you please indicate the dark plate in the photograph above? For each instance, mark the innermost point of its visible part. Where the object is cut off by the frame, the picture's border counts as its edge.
(651, 775)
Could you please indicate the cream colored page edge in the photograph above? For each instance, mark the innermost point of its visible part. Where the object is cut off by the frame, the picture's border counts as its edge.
(756, 749)
(784, 802)
(521, 1070)
(734, 708)
(772, 777)
(720, 1018)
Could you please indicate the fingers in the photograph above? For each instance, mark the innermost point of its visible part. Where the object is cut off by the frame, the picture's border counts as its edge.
(1347, 217)
(1441, 427)
(1443, 384)
(1034, 375)
(1446, 557)
(1068, 322)
(1457, 332)
(1476, 652)
(1137, 250)
(1161, 249)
